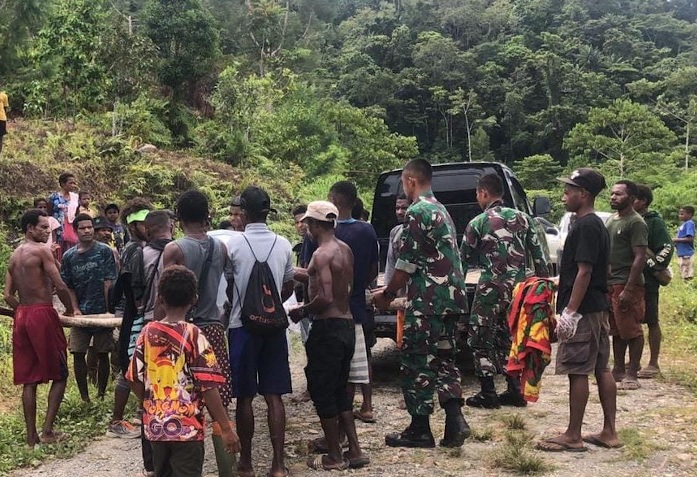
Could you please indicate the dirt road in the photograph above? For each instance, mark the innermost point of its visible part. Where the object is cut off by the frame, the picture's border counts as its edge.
(658, 423)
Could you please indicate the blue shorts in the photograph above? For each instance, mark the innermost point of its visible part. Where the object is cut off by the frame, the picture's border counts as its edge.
(259, 363)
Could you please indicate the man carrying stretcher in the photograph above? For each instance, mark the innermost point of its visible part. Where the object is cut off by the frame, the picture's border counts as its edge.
(38, 343)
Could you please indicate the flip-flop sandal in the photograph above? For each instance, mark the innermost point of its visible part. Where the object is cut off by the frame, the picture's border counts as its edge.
(628, 385)
(366, 417)
(286, 473)
(318, 464)
(619, 377)
(319, 445)
(357, 462)
(648, 373)
(592, 439)
(55, 438)
(554, 446)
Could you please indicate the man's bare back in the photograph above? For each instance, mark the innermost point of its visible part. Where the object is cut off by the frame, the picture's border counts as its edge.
(330, 273)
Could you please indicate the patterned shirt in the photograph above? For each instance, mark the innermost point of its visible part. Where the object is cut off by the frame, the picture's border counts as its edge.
(428, 253)
(176, 364)
(497, 241)
(85, 273)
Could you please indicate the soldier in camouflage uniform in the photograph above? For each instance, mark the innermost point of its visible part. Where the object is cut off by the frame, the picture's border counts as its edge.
(497, 241)
(430, 267)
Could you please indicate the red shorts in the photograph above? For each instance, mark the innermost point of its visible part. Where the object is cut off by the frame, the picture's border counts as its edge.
(39, 347)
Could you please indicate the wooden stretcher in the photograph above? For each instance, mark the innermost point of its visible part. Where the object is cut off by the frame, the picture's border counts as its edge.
(102, 320)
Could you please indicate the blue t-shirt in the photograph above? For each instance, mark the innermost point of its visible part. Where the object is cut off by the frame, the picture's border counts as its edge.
(86, 272)
(686, 229)
(363, 241)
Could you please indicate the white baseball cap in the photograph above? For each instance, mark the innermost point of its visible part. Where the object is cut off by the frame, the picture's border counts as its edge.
(321, 210)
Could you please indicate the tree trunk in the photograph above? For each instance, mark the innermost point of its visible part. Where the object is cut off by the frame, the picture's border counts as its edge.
(687, 146)
(469, 137)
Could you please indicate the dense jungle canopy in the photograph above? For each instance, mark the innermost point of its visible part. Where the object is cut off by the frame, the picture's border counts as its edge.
(353, 87)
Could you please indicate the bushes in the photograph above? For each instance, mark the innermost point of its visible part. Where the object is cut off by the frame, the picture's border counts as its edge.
(142, 119)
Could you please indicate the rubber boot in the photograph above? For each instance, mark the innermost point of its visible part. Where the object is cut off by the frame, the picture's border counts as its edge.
(225, 460)
(487, 397)
(456, 427)
(420, 424)
(513, 395)
(418, 434)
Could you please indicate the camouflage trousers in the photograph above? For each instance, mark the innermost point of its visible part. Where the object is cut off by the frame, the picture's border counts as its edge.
(488, 335)
(428, 362)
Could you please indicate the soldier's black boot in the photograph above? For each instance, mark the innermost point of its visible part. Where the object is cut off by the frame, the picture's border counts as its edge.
(513, 395)
(418, 434)
(487, 397)
(456, 427)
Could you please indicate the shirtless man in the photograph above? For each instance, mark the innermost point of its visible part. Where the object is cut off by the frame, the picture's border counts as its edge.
(332, 337)
(39, 348)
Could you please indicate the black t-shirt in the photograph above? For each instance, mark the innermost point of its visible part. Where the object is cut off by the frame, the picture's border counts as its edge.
(588, 242)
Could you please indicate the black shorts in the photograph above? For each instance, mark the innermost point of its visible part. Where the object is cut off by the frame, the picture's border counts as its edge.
(3, 128)
(651, 302)
(329, 351)
(183, 459)
(369, 330)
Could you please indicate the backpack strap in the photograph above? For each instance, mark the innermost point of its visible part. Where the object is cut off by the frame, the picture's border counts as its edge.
(191, 315)
(148, 283)
(206, 265)
(252, 250)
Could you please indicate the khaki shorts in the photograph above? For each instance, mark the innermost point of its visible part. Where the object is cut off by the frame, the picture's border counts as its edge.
(79, 341)
(686, 266)
(588, 352)
(626, 322)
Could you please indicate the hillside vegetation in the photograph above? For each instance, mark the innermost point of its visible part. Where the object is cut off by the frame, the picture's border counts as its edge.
(349, 88)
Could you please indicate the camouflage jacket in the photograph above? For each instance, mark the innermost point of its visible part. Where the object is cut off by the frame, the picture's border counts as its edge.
(497, 241)
(428, 252)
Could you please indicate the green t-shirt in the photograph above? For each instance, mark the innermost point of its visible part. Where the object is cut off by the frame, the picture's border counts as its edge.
(625, 233)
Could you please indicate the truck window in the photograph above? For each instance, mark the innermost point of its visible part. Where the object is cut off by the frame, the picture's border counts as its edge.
(519, 197)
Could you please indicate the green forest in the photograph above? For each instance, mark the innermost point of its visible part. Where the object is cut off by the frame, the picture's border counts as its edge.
(295, 93)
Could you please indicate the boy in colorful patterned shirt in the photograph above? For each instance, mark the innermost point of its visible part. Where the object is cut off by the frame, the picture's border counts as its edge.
(174, 372)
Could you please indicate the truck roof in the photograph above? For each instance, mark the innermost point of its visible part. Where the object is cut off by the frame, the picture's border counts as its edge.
(454, 185)
(460, 164)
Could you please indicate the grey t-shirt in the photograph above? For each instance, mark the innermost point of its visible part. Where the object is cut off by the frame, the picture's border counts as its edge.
(195, 252)
(261, 239)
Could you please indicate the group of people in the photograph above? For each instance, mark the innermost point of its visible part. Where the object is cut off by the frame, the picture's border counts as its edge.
(184, 341)
(202, 322)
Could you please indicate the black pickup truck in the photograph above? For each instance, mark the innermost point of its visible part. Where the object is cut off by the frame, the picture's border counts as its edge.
(454, 185)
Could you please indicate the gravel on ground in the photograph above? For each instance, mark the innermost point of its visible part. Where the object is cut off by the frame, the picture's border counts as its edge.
(658, 422)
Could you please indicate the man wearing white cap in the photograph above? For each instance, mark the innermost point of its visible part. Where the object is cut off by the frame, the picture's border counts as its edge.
(332, 339)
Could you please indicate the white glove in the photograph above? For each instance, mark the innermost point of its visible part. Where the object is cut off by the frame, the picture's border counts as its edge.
(567, 324)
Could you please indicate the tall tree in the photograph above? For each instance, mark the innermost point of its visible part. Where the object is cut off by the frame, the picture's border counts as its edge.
(187, 42)
(626, 139)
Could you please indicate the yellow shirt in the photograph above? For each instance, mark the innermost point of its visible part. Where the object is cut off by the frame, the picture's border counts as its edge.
(4, 103)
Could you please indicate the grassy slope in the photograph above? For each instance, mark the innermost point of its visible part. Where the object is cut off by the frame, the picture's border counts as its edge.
(36, 152)
(679, 325)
